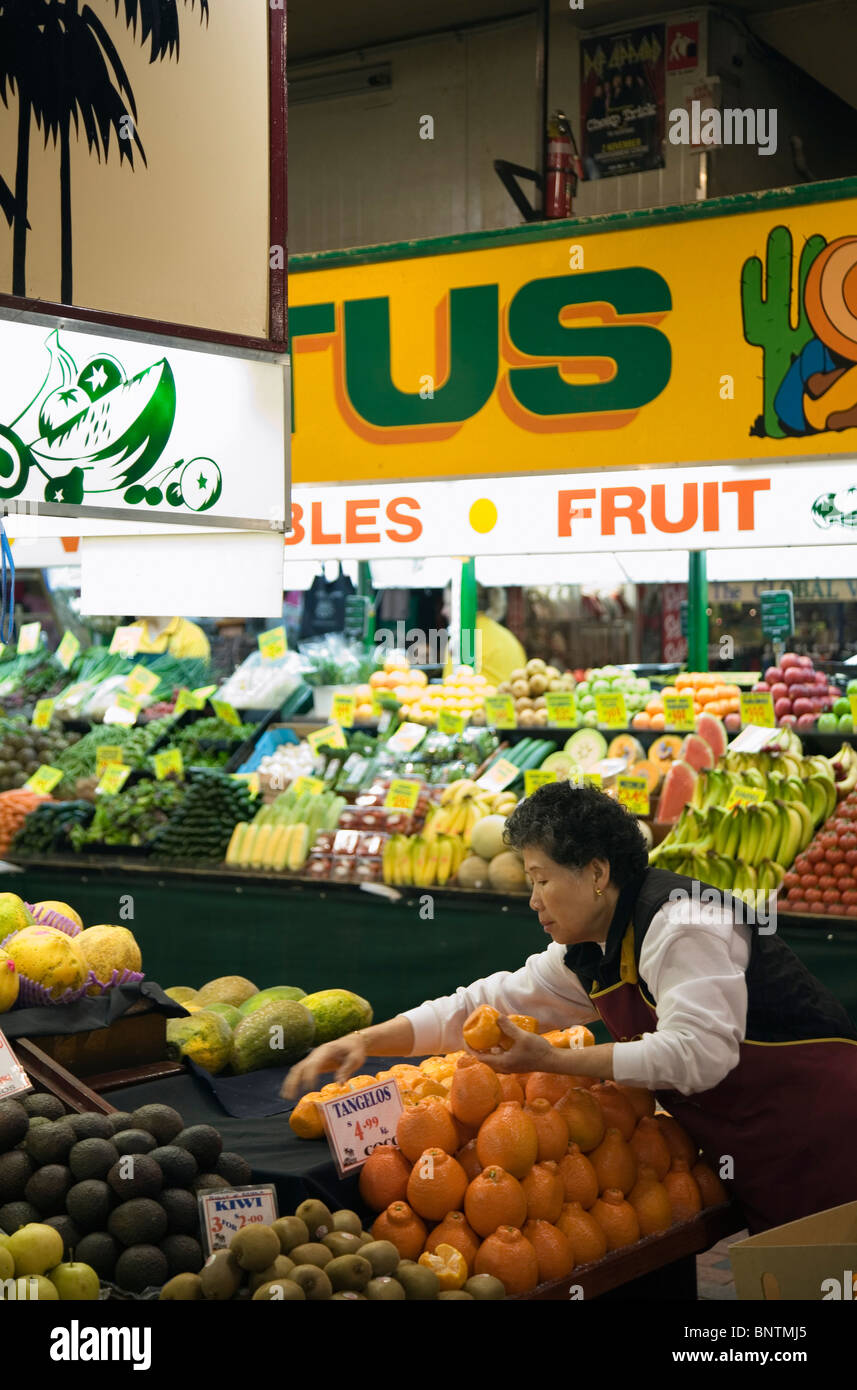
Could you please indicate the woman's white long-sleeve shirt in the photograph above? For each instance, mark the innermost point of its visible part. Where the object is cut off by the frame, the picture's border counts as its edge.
(693, 962)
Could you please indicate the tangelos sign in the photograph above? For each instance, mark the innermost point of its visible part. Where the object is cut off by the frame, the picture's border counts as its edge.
(578, 346)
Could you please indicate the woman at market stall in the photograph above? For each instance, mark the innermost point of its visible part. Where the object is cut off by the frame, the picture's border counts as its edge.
(713, 1013)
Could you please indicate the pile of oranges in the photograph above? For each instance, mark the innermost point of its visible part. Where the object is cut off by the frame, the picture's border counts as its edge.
(523, 1177)
(709, 696)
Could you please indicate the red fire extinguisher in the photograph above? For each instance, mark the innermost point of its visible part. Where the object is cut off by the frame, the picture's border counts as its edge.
(562, 168)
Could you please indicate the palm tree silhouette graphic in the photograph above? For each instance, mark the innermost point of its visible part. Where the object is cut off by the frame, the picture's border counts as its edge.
(59, 60)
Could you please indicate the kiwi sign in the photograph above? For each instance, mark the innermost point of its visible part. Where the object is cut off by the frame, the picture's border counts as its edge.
(96, 423)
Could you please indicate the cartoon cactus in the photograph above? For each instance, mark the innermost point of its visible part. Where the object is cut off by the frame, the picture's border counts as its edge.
(768, 316)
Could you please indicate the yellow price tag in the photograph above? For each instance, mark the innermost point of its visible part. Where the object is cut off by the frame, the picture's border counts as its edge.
(28, 638)
(633, 792)
(126, 640)
(534, 778)
(448, 722)
(403, 794)
(188, 699)
(679, 713)
(499, 776)
(44, 779)
(167, 762)
(562, 708)
(251, 778)
(225, 712)
(757, 707)
(746, 796)
(343, 710)
(272, 644)
(124, 710)
(67, 650)
(610, 709)
(107, 754)
(113, 779)
(42, 714)
(331, 735)
(500, 711)
(202, 692)
(313, 785)
(142, 681)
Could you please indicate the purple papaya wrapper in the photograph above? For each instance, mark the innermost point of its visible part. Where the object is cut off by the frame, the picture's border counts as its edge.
(49, 917)
(35, 996)
(119, 977)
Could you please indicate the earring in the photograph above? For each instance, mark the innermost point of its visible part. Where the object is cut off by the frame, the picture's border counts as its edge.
(599, 892)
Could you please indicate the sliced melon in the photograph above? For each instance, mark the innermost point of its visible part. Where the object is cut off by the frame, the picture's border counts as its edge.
(665, 751)
(627, 747)
(587, 747)
(649, 770)
(562, 763)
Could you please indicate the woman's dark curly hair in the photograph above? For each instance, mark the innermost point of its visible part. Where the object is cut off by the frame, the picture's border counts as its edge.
(574, 825)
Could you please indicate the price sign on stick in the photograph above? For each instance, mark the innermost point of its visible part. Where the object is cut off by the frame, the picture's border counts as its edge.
(313, 785)
(535, 777)
(562, 708)
(406, 738)
(142, 681)
(678, 713)
(403, 794)
(331, 736)
(610, 709)
(226, 712)
(272, 644)
(67, 650)
(113, 779)
(223, 1214)
(757, 707)
(343, 710)
(107, 753)
(28, 638)
(188, 699)
(44, 779)
(448, 722)
(500, 711)
(633, 792)
(499, 775)
(125, 641)
(358, 1123)
(745, 796)
(167, 762)
(43, 713)
(13, 1079)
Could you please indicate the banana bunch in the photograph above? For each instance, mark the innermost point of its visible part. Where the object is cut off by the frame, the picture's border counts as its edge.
(774, 831)
(811, 786)
(416, 861)
(462, 804)
(844, 765)
(746, 881)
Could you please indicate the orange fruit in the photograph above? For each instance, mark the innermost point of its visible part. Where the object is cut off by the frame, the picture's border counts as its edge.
(677, 1140)
(617, 1219)
(584, 1118)
(448, 1264)
(475, 1091)
(641, 720)
(400, 1225)
(384, 1177)
(332, 1090)
(548, 1085)
(437, 1185)
(508, 1139)
(508, 1255)
(493, 1199)
(658, 721)
(642, 1101)
(356, 1083)
(617, 1109)
(465, 1132)
(614, 1162)
(305, 1120)
(651, 1202)
(455, 1230)
(580, 1228)
(544, 1191)
(683, 1192)
(469, 1160)
(574, 1037)
(511, 1088)
(579, 1179)
(524, 1021)
(711, 1189)
(650, 1147)
(428, 1088)
(554, 1252)
(551, 1129)
(480, 1030)
(426, 1125)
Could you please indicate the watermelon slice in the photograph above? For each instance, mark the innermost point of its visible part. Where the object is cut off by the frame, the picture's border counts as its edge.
(697, 751)
(713, 730)
(676, 792)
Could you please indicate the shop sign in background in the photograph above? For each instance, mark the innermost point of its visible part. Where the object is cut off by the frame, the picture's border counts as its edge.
(663, 341)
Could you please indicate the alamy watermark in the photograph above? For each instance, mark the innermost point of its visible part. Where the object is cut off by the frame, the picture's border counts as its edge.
(750, 906)
(706, 125)
(432, 646)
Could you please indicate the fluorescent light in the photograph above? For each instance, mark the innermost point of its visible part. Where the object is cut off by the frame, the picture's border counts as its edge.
(533, 571)
(654, 566)
(784, 562)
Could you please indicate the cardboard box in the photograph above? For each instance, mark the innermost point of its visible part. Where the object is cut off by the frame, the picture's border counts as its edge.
(812, 1259)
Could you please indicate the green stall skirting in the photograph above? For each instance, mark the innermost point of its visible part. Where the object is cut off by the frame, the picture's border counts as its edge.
(194, 926)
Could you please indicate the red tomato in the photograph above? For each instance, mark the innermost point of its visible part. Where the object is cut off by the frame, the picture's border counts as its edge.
(828, 840)
(841, 871)
(838, 910)
(849, 897)
(815, 853)
(809, 881)
(813, 895)
(835, 856)
(846, 884)
(848, 840)
(790, 881)
(801, 865)
(851, 857)
(831, 895)
(796, 902)
(827, 881)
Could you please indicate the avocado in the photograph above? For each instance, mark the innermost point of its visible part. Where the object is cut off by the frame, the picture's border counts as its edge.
(16, 1169)
(92, 1158)
(138, 1222)
(235, 1169)
(134, 1175)
(209, 1182)
(47, 1189)
(161, 1121)
(342, 1243)
(141, 1267)
(16, 1214)
(418, 1282)
(310, 1253)
(14, 1124)
(255, 1247)
(349, 1272)
(100, 1251)
(459, 1295)
(203, 1142)
(91, 1125)
(134, 1141)
(291, 1231)
(120, 1119)
(385, 1290)
(382, 1256)
(313, 1281)
(484, 1286)
(89, 1204)
(280, 1268)
(182, 1211)
(69, 1232)
(220, 1276)
(346, 1220)
(319, 1221)
(182, 1288)
(184, 1254)
(50, 1143)
(179, 1168)
(41, 1103)
(279, 1291)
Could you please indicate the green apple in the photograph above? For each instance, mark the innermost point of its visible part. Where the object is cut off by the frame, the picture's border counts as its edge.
(75, 1283)
(827, 723)
(851, 687)
(845, 724)
(841, 706)
(35, 1249)
(35, 1288)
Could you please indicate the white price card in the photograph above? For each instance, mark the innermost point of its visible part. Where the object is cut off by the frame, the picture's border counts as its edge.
(753, 738)
(222, 1214)
(359, 1122)
(13, 1078)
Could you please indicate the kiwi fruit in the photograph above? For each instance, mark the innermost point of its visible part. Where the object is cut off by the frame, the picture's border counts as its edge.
(366, 1238)
(291, 1231)
(183, 1288)
(385, 1290)
(220, 1276)
(313, 1281)
(255, 1247)
(342, 1243)
(418, 1282)
(484, 1286)
(349, 1273)
(311, 1253)
(280, 1268)
(347, 1221)
(350, 1296)
(317, 1216)
(382, 1256)
(460, 1295)
(280, 1291)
